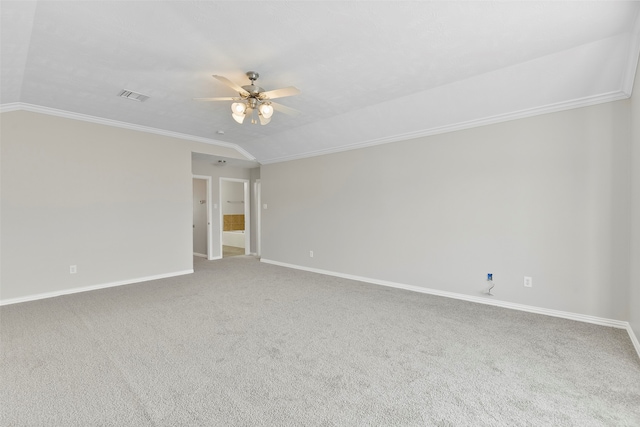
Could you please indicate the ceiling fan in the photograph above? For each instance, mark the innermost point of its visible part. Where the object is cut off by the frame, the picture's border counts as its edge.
(251, 98)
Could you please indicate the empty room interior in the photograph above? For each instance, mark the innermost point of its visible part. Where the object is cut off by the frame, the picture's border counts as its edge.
(320, 213)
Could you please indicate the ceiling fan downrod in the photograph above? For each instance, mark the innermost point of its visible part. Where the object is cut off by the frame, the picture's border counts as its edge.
(253, 76)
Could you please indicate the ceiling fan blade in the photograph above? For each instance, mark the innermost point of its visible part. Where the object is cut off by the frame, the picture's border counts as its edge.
(284, 109)
(280, 93)
(227, 98)
(231, 84)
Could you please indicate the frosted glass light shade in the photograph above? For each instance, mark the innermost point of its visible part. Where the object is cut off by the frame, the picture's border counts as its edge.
(266, 110)
(264, 120)
(238, 118)
(238, 108)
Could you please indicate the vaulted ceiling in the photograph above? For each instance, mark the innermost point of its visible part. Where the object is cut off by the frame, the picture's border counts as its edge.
(369, 72)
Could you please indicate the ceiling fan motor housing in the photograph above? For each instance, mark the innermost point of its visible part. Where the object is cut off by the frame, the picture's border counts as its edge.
(254, 91)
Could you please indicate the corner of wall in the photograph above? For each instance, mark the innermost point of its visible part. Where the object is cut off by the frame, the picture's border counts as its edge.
(634, 273)
(634, 53)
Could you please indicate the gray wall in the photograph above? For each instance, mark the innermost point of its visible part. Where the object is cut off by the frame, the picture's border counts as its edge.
(547, 197)
(232, 191)
(634, 300)
(115, 202)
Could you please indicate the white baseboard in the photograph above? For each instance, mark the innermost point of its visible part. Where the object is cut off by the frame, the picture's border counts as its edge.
(620, 324)
(206, 257)
(91, 288)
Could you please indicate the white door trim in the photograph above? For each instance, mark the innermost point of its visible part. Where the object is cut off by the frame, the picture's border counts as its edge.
(257, 190)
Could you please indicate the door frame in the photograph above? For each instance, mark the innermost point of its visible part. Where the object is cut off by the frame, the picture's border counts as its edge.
(207, 179)
(257, 191)
(247, 213)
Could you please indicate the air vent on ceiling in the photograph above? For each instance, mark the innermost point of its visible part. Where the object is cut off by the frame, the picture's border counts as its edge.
(124, 93)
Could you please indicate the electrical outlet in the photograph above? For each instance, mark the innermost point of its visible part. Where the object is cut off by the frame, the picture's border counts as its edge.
(528, 282)
(73, 269)
(310, 254)
(489, 276)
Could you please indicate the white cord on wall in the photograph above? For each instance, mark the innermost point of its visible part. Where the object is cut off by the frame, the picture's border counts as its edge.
(492, 285)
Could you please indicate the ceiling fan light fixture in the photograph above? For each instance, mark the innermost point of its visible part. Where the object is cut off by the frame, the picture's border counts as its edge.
(252, 97)
(238, 117)
(238, 108)
(266, 110)
(264, 120)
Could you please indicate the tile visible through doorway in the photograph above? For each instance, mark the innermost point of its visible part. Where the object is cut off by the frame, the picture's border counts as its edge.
(228, 251)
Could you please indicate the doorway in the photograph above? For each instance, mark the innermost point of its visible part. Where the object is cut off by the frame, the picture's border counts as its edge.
(202, 238)
(235, 221)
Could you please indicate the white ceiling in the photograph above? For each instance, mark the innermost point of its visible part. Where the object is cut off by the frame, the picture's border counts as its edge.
(369, 72)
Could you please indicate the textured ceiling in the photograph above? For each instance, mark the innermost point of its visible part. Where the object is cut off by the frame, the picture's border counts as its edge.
(369, 72)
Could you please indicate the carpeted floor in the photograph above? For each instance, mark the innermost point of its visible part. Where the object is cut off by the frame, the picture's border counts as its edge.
(241, 343)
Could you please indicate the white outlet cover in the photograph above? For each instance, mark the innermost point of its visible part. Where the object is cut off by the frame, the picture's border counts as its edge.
(528, 282)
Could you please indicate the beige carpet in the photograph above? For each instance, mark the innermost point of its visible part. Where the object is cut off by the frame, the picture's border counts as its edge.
(240, 343)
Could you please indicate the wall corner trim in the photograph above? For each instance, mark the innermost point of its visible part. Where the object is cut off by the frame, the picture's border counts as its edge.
(632, 61)
(92, 287)
(619, 324)
(634, 339)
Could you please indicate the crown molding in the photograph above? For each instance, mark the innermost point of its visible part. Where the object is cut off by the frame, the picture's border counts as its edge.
(12, 106)
(21, 106)
(521, 114)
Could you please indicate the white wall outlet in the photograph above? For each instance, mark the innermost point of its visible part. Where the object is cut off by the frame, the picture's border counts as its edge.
(528, 282)
(73, 269)
(310, 254)
(215, 206)
(264, 206)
